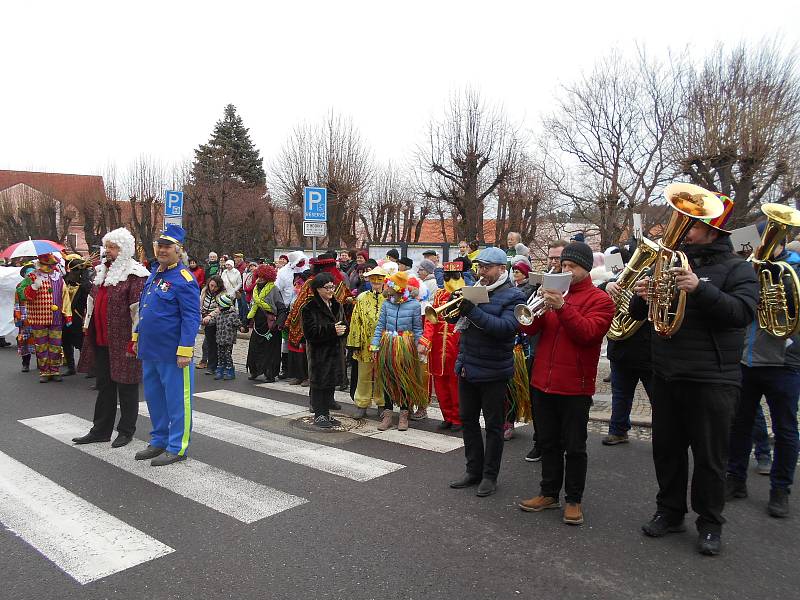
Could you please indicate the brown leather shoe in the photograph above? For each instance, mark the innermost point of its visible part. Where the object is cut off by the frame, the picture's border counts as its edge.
(539, 503)
(386, 420)
(573, 515)
(402, 424)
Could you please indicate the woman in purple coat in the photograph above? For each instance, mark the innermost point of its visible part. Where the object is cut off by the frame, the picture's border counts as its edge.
(112, 312)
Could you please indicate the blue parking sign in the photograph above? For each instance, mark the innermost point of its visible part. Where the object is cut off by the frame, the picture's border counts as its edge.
(173, 203)
(315, 204)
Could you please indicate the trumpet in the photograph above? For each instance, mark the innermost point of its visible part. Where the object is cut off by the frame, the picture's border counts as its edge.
(448, 310)
(777, 279)
(533, 308)
(690, 203)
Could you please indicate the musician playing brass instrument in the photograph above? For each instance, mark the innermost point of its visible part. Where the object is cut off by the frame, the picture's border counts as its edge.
(770, 368)
(696, 375)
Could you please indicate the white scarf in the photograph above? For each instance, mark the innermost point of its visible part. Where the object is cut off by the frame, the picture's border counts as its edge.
(464, 322)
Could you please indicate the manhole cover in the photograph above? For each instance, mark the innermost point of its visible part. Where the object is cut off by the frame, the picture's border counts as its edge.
(347, 423)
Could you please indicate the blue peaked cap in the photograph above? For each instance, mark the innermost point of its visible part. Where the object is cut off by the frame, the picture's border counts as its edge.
(172, 234)
(492, 256)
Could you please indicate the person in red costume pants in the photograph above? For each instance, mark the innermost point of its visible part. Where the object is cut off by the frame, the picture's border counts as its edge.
(440, 342)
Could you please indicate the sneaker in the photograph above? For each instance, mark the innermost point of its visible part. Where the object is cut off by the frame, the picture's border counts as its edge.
(613, 440)
(322, 422)
(539, 503)
(334, 421)
(709, 544)
(778, 505)
(660, 526)
(763, 465)
(573, 514)
(735, 488)
(419, 414)
(535, 455)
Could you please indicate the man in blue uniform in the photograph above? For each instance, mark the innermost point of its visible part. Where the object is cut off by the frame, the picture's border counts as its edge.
(169, 316)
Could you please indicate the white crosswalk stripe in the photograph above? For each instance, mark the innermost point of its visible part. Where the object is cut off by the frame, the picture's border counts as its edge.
(336, 461)
(257, 403)
(244, 500)
(415, 438)
(84, 541)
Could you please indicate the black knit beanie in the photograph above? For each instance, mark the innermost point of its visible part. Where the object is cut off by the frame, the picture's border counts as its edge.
(579, 253)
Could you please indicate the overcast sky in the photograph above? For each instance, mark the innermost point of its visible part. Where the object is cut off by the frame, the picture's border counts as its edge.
(87, 83)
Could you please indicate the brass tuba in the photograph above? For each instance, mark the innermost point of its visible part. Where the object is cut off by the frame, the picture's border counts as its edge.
(623, 326)
(668, 304)
(777, 279)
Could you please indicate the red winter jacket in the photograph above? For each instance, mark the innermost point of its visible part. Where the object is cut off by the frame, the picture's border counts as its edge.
(569, 347)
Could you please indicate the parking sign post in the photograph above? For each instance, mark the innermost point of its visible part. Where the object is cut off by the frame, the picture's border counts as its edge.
(315, 215)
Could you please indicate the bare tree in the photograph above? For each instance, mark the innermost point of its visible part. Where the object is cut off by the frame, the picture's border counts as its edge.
(741, 133)
(145, 182)
(519, 199)
(26, 212)
(606, 147)
(470, 152)
(332, 155)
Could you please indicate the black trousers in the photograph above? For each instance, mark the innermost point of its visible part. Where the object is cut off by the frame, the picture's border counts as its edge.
(321, 400)
(473, 398)
(69, 342)
(689, 414)
(561, 429)
(108, 391)
(210, 347)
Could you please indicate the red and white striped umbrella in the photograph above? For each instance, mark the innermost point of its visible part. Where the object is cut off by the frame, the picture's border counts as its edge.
(31, 248)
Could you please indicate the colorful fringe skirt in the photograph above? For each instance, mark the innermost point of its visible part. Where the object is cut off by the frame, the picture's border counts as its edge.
(400, 371)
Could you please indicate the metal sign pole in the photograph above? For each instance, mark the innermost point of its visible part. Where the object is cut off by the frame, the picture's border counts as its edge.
(314, 247)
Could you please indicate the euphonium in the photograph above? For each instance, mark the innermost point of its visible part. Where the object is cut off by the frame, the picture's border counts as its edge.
(777, 279)
(623, 326)
(668, 304)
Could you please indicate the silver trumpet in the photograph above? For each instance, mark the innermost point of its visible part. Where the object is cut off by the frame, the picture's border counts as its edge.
(533, 308)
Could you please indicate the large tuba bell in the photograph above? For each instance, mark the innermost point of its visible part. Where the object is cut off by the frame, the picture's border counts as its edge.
(623, 326)
(667, 303)
(777, 279)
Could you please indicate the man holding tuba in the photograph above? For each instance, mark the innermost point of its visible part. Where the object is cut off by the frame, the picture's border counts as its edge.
(770, 367)
(696, 376)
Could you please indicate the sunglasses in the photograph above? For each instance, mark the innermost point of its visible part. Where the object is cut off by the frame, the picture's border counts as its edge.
(448, 275)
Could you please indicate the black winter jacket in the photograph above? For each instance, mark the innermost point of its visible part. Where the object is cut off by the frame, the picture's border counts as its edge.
(632, 352)
(323, 347)
(708, 346)
(486, 349)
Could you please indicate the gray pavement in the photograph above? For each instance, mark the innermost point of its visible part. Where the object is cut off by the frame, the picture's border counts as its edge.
(402, 534)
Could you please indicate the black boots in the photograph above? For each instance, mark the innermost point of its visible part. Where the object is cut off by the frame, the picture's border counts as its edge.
(660, 526)
(778, 505)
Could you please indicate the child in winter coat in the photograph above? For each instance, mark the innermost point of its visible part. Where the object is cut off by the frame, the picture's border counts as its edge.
(227, 322)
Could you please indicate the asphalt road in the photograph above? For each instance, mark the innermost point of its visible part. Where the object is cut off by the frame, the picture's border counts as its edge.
(400, 534)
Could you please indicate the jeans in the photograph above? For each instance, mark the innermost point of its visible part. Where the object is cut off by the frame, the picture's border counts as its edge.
(761, 435)
(623, 387)
(562, 422)
(690, 414)
(489, 397)
(781, 387)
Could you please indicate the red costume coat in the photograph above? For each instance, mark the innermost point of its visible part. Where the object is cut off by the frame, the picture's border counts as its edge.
(441, 340)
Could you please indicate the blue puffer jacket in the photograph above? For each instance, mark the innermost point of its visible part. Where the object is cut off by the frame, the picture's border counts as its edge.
(399, 318)
(486, 351)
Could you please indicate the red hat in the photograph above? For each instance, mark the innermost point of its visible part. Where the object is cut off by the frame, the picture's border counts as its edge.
(455, 265)
(266, 272)
(718, 223)
(522, 267)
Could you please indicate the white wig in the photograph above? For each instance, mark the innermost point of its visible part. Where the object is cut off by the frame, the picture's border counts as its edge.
(124, 265)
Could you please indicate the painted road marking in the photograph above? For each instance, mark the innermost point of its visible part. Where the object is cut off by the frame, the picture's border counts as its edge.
(309, 454)
(257, 403)
(244, 500)
(82, 540)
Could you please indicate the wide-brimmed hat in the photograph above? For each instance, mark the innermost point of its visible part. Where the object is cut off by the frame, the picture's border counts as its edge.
(398, 281)
(718, 223)
(376, 272)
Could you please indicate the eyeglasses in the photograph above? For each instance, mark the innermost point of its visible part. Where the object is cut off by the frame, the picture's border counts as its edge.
(485, 267)
(330, 287)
